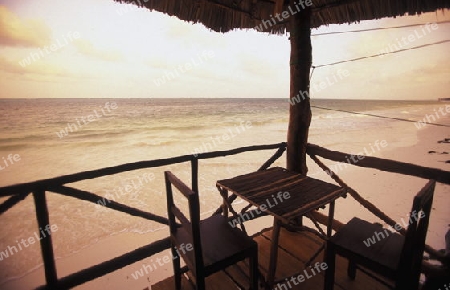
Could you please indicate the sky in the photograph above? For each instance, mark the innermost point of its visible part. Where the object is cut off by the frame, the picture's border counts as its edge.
(103, 49)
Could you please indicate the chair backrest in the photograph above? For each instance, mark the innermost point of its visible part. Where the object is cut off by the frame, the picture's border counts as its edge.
(412, 252)
(192, 226)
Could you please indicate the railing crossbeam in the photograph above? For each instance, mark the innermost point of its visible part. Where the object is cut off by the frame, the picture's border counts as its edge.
(12, 201)
(109, 266)
(88, 196)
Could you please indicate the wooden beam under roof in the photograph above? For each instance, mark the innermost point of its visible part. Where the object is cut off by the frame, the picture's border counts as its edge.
(278, 8)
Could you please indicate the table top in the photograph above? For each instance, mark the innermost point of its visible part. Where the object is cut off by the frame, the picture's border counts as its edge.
(282, 193)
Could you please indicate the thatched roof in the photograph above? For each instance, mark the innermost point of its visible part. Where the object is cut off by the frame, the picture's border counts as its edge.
(225, 15)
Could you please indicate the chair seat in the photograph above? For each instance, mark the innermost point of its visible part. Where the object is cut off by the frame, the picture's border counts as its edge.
(221, 244)
(383, 253)
(396, 257)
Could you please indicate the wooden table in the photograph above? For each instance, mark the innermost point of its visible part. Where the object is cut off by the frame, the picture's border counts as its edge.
(285, 195)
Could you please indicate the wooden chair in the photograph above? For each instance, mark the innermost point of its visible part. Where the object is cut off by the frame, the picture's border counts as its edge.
(391, 255)
(206, 246)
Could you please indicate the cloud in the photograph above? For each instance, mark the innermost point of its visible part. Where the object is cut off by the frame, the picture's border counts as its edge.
(193, 36)
(179, 29)
(11, 67)
(157, 63)
(86, 47)
(35, 68)
(26, 33)
(427, 74)
(257, 66)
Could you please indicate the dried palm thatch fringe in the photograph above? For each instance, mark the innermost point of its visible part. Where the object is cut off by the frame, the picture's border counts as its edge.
(226, 15)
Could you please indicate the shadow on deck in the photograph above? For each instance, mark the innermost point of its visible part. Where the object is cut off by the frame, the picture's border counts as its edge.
(294, 250)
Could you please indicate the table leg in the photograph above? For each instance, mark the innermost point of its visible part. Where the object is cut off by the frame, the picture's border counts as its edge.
(328, 235)
(273, 253)
(224, 194)
(330, 219)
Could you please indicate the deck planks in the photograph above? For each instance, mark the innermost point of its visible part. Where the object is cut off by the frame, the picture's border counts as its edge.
(294, 250)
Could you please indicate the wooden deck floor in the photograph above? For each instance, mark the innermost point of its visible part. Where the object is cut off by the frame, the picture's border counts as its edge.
(294, 250)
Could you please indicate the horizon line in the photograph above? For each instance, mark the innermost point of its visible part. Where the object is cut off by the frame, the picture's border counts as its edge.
(216, 98)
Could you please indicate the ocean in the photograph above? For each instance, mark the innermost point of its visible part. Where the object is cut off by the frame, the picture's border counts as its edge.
(44, 138)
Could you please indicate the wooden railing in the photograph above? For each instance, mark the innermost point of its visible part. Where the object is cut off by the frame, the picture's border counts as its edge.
(384, 165)
(18, 192)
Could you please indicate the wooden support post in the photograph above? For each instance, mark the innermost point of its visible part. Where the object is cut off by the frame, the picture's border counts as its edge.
(194, 174)
(300, 111)
(46, 242)
(278, 8)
